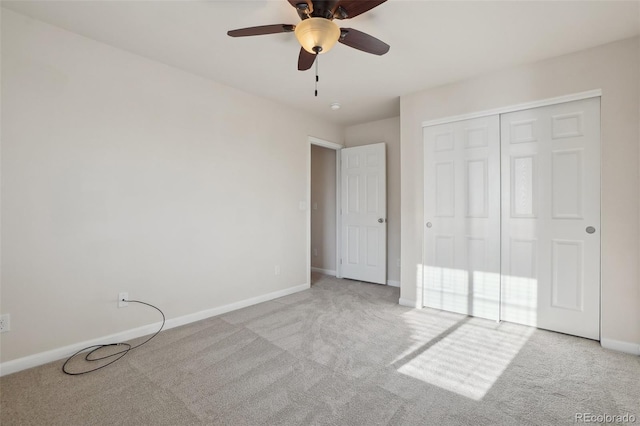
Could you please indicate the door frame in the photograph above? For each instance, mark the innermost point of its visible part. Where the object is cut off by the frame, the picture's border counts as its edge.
(503, 110)
(517, 107)
(312, 140)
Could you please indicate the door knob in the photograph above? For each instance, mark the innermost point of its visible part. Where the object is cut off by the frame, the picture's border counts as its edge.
(380, 220)
(429, 225)
(590, 229)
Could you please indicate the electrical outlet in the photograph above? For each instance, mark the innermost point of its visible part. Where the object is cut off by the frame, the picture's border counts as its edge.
(123, 296)
(5, 324)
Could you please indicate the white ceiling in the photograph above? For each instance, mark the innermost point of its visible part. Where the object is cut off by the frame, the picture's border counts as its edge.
(432, 43)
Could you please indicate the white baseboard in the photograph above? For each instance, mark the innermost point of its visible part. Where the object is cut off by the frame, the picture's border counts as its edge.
(409, 303)
(393, 283)
(19, 364)
(617, 345)
(324, 271)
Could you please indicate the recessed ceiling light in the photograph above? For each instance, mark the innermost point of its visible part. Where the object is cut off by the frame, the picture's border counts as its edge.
(335, 106)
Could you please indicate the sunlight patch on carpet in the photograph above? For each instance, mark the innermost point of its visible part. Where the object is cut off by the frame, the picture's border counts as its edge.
(470, 359)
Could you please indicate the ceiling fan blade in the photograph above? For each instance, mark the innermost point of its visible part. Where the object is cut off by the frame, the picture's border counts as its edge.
(351, 8)
(305, 60)
(362, 41)
(262, 30)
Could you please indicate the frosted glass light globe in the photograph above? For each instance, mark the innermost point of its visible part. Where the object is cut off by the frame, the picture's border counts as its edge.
(317, 32)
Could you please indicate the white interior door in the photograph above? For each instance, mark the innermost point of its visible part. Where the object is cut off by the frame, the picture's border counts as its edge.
(551, 217)
(364, 213)
(461, 271)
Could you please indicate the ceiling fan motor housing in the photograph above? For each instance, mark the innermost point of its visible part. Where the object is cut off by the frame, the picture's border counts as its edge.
(327, 9)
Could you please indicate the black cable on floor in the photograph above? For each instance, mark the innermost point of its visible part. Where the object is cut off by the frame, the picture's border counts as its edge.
(118, 355)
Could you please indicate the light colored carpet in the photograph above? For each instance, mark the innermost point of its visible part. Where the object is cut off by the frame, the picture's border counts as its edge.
(342, 353)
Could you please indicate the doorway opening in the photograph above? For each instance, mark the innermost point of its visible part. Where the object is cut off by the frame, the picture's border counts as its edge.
(323, 236)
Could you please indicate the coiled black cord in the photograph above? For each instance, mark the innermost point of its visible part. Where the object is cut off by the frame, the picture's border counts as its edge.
(118, 355)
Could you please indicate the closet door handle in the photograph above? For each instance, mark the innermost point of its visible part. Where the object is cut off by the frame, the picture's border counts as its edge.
(590, 229)
(429, 225)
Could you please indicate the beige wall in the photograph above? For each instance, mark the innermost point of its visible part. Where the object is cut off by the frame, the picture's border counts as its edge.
(387, 131)
(614, 68)
(123, 174)
(323, 208)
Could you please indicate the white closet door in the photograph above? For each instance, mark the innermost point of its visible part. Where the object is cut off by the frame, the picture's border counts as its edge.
(364, 213)
(551, 217)
(462, 217)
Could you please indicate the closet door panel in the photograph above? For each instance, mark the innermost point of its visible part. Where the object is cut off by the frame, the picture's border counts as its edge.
(462, 217)
(551, 217)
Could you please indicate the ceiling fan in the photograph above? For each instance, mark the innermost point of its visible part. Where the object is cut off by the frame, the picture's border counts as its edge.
(317, 33)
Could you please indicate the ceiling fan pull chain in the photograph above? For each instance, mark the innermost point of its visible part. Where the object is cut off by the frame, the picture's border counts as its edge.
(317, 78)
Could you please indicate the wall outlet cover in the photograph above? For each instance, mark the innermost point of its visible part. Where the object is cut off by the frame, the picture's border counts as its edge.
(5, 323)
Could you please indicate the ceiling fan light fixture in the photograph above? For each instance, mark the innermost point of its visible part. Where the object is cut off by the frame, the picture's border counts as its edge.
(314, 33)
